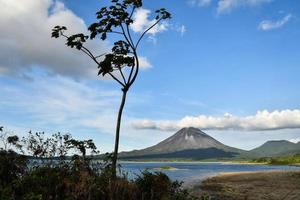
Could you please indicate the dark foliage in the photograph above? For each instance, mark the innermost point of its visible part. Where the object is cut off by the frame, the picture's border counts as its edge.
(12, 167)
(158, 186)
(46, 173)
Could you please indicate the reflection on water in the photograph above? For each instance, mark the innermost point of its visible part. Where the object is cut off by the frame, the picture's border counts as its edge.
(190, 172)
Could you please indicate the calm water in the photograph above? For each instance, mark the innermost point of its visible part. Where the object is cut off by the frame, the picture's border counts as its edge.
(191, 172)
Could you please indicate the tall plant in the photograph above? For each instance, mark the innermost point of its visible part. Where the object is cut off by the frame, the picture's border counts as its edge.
(115, 19)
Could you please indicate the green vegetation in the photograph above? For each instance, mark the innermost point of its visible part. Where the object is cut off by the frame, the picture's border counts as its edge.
(276, 149)
(47, 172)
(282, 160)
(166, 168)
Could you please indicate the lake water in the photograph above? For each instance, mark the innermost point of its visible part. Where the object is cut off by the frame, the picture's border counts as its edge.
(191, 172)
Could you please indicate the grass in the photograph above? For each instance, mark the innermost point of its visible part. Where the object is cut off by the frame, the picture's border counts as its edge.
(282, 160)
(276, 185)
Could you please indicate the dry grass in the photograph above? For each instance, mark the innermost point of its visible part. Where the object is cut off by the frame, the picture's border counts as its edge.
(275, 185)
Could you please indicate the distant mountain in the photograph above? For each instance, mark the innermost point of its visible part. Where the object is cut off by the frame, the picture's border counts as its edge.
(187, 143)
(277, 148)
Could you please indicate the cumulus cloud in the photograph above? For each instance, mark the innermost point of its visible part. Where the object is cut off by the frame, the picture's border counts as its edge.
(225, 6)
(141, 22)
(26, 39)
(263, 120)
(144, 63)
(269, 25)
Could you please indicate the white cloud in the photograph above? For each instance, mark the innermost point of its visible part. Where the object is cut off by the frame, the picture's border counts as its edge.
(200, 2)
(269, 25)
(225, 6)
(144, 124)
(144, 63)
(26, 39)
(141, 22)
(85, 108)
(56, 100)
(263, 120)
(295, 140)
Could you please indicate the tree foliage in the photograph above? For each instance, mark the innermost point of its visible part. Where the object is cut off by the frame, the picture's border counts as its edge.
(114, 19)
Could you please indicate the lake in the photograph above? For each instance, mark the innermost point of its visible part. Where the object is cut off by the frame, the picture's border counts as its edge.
(190, 172)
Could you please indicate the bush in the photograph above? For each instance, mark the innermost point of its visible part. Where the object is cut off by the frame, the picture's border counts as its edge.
(47, 174)
(157, 185)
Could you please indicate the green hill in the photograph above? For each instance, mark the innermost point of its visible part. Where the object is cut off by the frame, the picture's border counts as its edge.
(277, 148)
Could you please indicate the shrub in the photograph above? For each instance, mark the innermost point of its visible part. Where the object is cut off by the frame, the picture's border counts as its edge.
(158, 185)
(48, 174)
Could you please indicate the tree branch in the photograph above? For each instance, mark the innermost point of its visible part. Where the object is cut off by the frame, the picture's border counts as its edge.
(129, 35)
(117, 32)
(132, 12)
(124, 79)
(131, 72)
(127, 26)
(123, 30)
(101, 55)
(115, 78)
(130, 82)
(84, 50)
(148, 29)
(133, 49)
(89, 53)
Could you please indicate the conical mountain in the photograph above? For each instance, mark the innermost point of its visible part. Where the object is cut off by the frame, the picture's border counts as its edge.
(186, 143)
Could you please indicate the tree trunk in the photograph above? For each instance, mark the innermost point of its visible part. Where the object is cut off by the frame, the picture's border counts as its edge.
(115, 154)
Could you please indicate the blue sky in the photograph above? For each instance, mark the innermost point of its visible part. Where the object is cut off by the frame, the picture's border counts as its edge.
(229, 67)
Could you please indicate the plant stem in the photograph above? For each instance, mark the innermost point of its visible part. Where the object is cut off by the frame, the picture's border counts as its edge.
(115, 155)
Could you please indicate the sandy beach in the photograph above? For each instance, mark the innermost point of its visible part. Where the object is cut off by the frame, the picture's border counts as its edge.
(272, 185)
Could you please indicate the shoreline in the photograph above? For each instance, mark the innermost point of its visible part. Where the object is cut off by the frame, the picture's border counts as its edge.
(225, 174)
(209, 162)
(213, 162)
(267, 185)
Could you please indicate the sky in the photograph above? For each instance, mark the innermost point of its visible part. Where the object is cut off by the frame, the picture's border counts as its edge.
(228, 67)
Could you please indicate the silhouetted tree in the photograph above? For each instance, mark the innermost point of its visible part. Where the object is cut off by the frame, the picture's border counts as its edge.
(3, 138)
(115, 19)
(82, 146)
(6, 138)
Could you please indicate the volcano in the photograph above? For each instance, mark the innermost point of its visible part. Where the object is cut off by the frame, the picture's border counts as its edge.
(189, 144)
